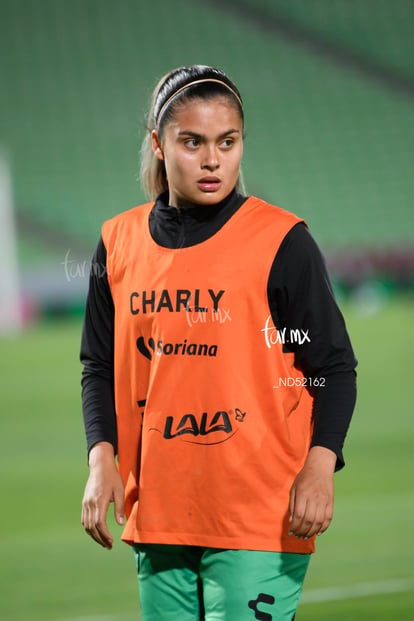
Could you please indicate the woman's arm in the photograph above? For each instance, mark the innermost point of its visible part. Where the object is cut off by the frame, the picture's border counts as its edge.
(97, 356)
(104, 484)
(301, 298)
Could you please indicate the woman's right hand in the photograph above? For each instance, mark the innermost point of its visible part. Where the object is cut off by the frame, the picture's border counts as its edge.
(104, 486)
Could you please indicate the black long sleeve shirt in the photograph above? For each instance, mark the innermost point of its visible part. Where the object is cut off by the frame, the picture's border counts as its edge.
(300, 297)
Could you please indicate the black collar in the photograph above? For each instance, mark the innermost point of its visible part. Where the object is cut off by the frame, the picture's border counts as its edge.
(174, 227)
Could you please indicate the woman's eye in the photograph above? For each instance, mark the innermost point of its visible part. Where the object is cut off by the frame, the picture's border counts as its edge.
(192, 143)
(227, 143)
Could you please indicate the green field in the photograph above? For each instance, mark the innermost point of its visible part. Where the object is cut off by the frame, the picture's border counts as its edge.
(50, 570)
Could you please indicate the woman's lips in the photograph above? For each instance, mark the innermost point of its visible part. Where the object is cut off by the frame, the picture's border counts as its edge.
(209, 184)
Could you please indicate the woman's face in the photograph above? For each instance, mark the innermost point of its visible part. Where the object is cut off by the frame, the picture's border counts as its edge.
(201, 148)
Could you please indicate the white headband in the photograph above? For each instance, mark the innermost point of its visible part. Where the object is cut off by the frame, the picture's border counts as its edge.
(174, 95)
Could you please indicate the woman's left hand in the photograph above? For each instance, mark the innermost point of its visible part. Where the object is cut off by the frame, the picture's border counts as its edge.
(312, 494)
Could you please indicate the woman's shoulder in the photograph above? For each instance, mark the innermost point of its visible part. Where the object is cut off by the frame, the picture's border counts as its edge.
(271, 210)
(125, 222)
(131, 213)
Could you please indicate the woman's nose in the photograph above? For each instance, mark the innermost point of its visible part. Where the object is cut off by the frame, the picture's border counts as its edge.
(210, 158)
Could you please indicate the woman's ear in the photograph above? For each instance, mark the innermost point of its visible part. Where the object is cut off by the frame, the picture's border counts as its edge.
(156, 145)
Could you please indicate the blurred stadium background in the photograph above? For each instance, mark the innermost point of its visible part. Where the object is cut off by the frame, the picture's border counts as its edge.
(328, 87)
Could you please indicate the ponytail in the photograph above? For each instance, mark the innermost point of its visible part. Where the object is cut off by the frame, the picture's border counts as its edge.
(152, 171)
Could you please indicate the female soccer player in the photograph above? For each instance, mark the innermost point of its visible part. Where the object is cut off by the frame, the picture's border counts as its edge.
(218, 380)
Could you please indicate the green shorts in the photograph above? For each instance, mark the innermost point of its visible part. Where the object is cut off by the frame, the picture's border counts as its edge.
(193, 584)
